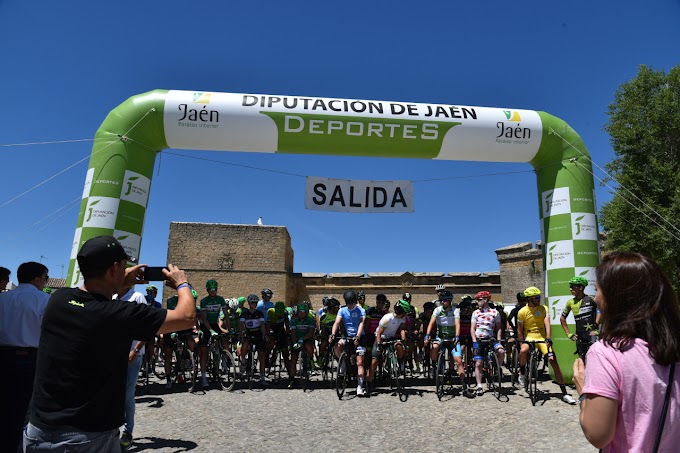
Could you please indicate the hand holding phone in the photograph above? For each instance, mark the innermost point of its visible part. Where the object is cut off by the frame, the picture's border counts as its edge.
(154, 274)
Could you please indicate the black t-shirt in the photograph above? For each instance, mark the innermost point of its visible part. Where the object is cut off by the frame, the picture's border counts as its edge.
(83, 359)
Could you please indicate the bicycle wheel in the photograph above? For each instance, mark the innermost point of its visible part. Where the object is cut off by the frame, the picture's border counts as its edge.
(532, 378)
(249, 368)
(396, 382)
(228, 371)
(342, 376)
(440, 373)
(494, 370)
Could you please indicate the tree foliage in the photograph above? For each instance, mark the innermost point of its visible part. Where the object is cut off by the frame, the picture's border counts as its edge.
(644, 125)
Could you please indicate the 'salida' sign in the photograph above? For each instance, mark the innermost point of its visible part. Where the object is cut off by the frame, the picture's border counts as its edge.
(342, 195)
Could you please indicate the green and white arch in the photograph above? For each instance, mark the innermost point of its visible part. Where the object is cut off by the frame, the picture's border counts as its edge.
(120, 170)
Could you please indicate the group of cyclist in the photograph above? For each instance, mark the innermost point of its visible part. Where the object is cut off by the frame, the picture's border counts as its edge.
(476, 323)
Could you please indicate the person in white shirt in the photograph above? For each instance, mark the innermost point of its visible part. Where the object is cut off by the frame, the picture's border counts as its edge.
(21, 313)
(134, 365)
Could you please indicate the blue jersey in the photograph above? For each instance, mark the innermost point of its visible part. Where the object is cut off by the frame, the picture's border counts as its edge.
(264, 307)
(352, 319)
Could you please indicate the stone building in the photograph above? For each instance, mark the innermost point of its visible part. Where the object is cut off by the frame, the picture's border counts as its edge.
(246, 258)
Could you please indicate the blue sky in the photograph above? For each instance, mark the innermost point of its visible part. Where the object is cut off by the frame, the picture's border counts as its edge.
(65, 65)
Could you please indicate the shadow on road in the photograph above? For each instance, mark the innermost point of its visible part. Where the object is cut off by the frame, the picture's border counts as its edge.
(155, 443)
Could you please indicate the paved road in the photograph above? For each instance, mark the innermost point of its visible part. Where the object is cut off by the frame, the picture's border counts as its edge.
(279, 420)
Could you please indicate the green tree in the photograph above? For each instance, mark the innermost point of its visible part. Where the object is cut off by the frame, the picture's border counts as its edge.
(644, 125)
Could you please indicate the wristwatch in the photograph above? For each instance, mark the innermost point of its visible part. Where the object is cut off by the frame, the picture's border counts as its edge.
(580, 399)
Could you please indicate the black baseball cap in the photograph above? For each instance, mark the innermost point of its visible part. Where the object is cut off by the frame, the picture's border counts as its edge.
(102, 251)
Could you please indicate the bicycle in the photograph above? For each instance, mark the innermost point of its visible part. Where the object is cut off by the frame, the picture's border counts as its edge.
(304, 365)
(491, 367)
(184, 361)
(346, 369)
(531, 372)
(221, 363)
(442, 373)
(390, 361)
(250, 364)
(513, 363)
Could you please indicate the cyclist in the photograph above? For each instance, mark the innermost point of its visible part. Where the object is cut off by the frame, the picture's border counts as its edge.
(423, 323)
(411, 332)
(445, 322)
(253, 330)
(533, 324)
(373, 317)
(391, 327)
(266, 303)
(302, 329)
(352, 317)
(151, 293)
(169, 339)
(465, 308)
(210, 315)
(586, 316)
(325, 325)
(279, 330)
(485, 323)
(361, 300)
(439, 289)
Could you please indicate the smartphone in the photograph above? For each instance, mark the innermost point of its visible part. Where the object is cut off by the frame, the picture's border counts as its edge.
(154, 274)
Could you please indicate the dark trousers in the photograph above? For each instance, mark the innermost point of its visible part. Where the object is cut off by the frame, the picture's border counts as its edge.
(16, 388)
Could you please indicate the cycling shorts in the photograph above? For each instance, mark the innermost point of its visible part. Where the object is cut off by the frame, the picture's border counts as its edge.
(281, 339)
(255, 338)
(361, 349)
(541, 346)
(478, 353)
(296, 351)
(455, 352)
(168, 342)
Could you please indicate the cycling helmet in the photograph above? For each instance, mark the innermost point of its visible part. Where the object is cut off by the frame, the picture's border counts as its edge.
(350, 297)
(279, 308)
(241, 300)
(439, 288)
(532, 291)
(483, 295)
(579, 281)
(233, 304)
(302, 306)
(521, 296)
(267, 292)
(211, 284)
(324, 301)
(381, 298)
(361, 295)
(252, 298)
(47, 290)
(428, 306)
(402, 307)
(151, 288)
(499, 306)
(446, 295)
(387, 305)
(466, 297)
(195, 294)
(406, 297)
(332, 302)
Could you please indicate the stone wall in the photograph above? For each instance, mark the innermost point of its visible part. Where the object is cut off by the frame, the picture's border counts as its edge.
(242, 258)
(521, 266)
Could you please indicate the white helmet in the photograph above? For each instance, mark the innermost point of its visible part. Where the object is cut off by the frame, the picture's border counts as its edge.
(233, 303)
(439, 288)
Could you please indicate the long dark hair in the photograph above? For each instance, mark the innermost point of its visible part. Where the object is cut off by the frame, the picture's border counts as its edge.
(639, 302)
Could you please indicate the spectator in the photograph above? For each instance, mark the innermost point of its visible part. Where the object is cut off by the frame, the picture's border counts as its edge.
(21, 312)
(630, 369)
(79, 395)
(4, 278)
(137, 349)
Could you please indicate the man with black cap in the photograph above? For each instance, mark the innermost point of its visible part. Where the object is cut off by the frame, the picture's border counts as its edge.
(79, 393)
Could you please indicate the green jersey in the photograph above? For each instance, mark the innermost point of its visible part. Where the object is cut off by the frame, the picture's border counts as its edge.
(301, 327)
(212, 306)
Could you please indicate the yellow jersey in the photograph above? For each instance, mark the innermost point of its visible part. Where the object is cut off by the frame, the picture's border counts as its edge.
(533, 320)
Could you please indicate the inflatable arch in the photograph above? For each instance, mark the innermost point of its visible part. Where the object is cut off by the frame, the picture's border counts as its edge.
(120, 169)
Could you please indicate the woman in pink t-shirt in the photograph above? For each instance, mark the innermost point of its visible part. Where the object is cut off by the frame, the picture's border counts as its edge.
(624, 384)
